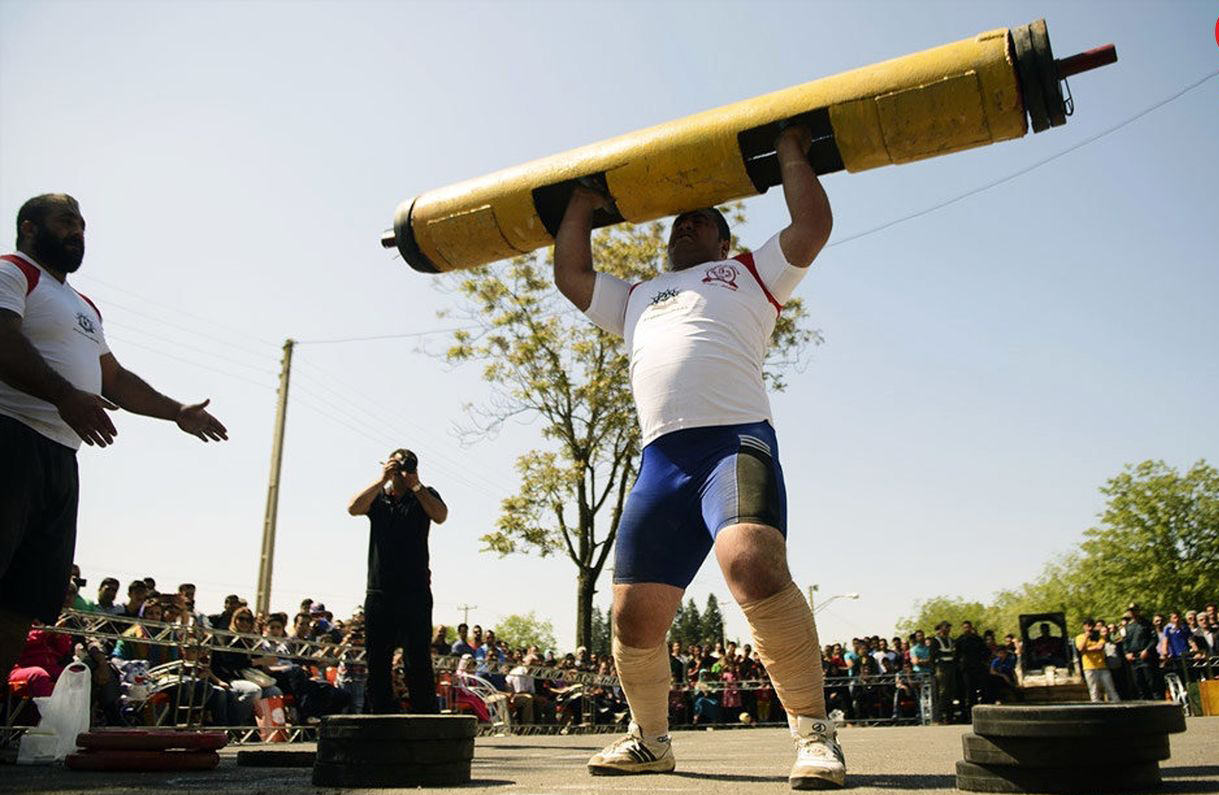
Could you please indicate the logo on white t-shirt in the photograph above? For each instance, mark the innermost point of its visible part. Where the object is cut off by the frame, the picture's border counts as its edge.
(85, 323)
(665, 295)
(723, 274)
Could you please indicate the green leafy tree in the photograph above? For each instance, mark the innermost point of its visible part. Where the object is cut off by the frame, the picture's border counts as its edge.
(1158, 539)
(526, 630)
(1157, 543)
(546, 362)
(930, 612)
(713, 621)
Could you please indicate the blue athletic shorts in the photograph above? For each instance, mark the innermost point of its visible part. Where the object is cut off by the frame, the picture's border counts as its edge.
(692, 484)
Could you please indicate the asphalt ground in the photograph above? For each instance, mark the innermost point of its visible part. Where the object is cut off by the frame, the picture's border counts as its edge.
(756, 760)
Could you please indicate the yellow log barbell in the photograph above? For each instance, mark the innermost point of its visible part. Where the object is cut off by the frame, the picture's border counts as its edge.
(970, 93)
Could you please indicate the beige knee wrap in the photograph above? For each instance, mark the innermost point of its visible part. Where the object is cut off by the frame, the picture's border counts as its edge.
(645, 678)
(786, 639)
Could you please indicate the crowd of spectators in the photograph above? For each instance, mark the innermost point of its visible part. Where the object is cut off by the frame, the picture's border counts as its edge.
(871, 679)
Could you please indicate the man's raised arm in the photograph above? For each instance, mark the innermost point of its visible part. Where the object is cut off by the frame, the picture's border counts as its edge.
(573, 250)
(807, 203)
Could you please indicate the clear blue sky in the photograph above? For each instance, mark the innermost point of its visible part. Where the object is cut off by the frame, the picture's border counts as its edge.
(986, 366)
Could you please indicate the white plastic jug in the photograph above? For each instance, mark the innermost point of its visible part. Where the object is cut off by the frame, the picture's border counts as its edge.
(65, 714)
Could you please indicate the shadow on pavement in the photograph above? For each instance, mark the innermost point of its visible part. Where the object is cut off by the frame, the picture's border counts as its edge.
(728, 777)
(1196, 770)
(912, 781)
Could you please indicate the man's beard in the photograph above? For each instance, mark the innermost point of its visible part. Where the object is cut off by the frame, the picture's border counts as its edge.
(54, 253)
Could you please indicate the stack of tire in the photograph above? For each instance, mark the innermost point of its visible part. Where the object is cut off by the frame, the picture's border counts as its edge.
(394, 750)
(1068, 748)
(146, 750)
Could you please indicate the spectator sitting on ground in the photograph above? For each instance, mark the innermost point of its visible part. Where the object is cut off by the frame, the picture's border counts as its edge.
(1002, 676)
(43, 659)
(528, 705)
(130, 646)
(232, 665)
(314, 699)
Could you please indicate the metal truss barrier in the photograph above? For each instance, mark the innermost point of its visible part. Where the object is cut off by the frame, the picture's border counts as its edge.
(316, 652)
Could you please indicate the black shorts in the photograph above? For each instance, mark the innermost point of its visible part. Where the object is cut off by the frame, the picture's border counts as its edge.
(38, 494)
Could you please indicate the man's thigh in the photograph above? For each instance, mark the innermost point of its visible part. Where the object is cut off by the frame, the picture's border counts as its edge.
(661, 535)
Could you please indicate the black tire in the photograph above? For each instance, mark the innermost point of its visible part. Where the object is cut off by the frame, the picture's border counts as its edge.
(275, 758)
(393, 752)
(332, 775)
(1060, 752)
(1003, 778)
(1127, 719)
(398, 727)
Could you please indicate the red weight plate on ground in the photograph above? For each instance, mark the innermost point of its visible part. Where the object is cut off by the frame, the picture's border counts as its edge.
(148, 740)
(143, 760)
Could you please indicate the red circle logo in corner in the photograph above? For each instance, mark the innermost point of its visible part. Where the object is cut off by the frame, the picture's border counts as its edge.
(1217, 31)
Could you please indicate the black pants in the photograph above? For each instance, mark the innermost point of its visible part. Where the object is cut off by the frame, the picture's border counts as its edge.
(973, 685)
(390, 621)
(1148, 684)
(38, 493)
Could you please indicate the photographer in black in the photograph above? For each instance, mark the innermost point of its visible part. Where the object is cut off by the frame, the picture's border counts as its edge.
(398, 602)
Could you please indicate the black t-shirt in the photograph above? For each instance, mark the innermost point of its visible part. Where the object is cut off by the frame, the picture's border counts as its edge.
(397, 544)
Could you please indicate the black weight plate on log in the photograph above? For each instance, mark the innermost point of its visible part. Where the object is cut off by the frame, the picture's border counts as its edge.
(1129, 718)
(1047, 72)
(1030, 81)
(1004, 778)
(398, 727)
(268, 757)
(391, 752)
(326, 774)
(1063, 752)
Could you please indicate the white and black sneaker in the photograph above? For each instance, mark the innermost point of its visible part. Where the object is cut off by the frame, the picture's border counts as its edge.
(819, 760)
(632, 754)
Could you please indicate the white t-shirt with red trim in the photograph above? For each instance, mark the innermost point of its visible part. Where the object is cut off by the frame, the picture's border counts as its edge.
(697, 338)
(65, 328)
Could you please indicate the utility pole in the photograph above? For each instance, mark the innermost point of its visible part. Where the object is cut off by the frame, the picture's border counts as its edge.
(812, 589)
(262, 602)
(465, 612)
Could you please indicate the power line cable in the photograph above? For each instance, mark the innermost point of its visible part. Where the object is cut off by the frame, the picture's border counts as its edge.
(1027, 169)
(376, 337)
(179, 344)
(188, 330)
(353, 401)
(244, 334)
(458, 469)
(191, 362)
